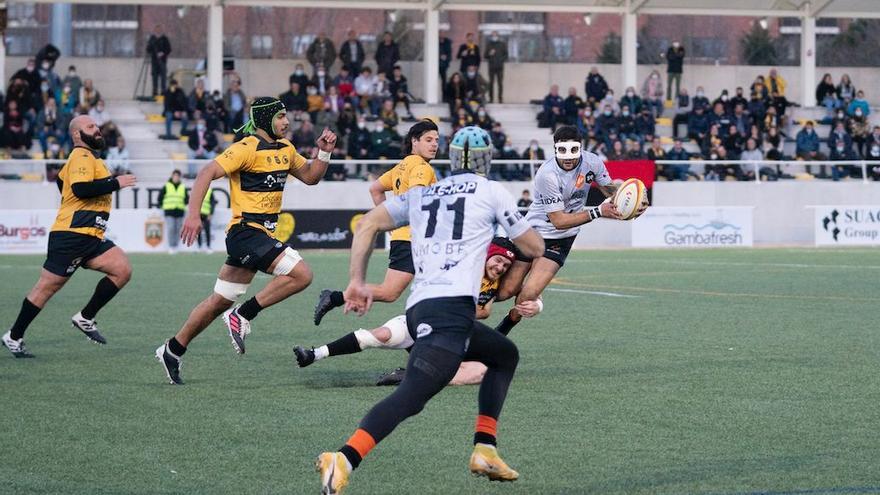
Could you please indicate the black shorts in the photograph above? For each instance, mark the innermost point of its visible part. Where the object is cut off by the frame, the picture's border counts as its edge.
(444, 322)
(557, 249)
(252, 248)
(400, 257)
(68, 250)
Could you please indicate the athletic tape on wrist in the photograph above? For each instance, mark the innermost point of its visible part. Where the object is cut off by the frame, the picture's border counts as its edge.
(595, 213)
(324, 156)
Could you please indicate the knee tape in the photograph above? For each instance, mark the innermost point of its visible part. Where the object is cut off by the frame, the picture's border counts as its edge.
(366, 339)
(230, 290)
(400, 338)
(288, 260)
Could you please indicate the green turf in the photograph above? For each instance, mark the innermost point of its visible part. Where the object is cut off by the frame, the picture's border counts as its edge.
(734, 371)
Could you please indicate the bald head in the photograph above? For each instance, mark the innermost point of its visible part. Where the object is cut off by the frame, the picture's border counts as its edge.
(85, 133)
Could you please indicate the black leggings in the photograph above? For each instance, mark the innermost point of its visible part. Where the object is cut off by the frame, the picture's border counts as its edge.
(206, 230)
(429, 370)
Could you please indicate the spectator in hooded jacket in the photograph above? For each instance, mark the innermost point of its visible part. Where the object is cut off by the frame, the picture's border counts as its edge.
(387, 55)
(571, 105)
(595, 86)
(652, 93)
(674, 68)
(352, 54)
(468, 53)
(321, 52)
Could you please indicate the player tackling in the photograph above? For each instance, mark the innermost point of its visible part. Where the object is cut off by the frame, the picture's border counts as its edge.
(452, 224)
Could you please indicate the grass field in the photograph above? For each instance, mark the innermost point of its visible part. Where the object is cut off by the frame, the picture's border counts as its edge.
(720, 372)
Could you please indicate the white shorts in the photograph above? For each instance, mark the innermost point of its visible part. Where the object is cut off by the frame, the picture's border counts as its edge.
(400, 338)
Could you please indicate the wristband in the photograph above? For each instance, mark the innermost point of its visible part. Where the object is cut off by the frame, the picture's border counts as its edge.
(540, 304)
(595, 213)
(324, 156)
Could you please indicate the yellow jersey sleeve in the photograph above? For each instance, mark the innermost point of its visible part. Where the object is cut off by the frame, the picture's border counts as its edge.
(387, 181)
(82, 167)
(236, 157)
(297, 161)
(421, 175)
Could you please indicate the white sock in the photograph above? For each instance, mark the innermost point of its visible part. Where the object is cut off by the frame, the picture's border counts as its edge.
(321, 352)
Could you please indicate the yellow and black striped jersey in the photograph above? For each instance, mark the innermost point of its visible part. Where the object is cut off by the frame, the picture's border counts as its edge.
(257, 172)
(488, 291)
(87, 216)
(411, 172)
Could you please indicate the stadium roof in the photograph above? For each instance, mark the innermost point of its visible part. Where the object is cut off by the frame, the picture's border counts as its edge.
(768, 8)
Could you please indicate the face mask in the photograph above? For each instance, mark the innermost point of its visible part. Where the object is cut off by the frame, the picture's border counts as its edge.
(72, 73)
(875, 151)
(533, 147)
(714, 156)
(481, 113)
(629, 93)
(608, 113)
(840, 115)
(312, 91)
(44, 87)
(46, 65)
(380, 128)
(508, 148)
(858, 113)
(840, 149)
(471, 74)
(655, 76)
(626, 113)
(100, 109)
(200, 127)
(587, 113)
(362, 125)
(321, 73)
(700, 93)
(494, 38)
(298, 72)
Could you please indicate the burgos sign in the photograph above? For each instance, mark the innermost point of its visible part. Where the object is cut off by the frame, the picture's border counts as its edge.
(693, 227)
(847, 225)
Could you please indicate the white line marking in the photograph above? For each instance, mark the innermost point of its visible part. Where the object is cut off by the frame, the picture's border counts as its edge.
(729, 263)
(593, 292)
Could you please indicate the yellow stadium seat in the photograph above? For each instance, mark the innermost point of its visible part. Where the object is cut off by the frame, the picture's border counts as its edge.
(37, 155)
(31, 177)
(666, 140)
(155, 118)
(664, 121)
(667, 104)
(178, 156)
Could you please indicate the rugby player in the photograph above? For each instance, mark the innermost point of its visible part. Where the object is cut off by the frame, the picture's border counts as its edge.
(561, 188)
(420, 145)
(393, 333)
(452, 223)
(77, 237)
(257, 167)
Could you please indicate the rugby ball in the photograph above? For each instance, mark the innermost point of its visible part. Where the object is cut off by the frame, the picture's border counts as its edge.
(628, 197)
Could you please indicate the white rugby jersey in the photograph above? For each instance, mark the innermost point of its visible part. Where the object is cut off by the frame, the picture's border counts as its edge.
(452, 223)
(558, 190)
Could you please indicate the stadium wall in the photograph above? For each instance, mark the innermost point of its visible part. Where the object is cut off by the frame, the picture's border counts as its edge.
(782, 210)
(115, 78)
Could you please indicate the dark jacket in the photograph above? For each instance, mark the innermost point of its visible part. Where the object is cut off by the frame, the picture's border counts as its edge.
(674, 60)
(596, 87)
(294, 102)
(353, 64)
(321, 51)
(468, 56)
(823, 90)
(158, 44)
(387, 56)
(496, 54)
(445, 50)
(176, 100)
(210, 140)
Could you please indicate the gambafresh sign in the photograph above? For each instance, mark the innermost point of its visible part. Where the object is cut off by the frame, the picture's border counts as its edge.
(694, 227)
(847, 225)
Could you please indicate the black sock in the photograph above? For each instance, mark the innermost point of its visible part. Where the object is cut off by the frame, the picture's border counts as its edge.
(105, 291)
(480, 437)
(250, 309)
(347, 344)
(352, 455)
(337, 298)
(506, 325)
(25, 317)
(176, 347)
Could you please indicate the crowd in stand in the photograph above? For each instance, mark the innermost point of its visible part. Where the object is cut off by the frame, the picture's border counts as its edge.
(751, 126)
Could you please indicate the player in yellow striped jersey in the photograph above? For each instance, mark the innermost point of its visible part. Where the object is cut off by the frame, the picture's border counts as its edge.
(421, 145)
(77, 237)
(257, 167)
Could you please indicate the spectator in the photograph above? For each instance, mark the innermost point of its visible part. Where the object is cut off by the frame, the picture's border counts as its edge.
(781, 104)
(607, 123)
(840, 116)
(509, 153)
(99, 114)
(496, 55)
(387, 55)
(304, 138)
(384, 141)
(874, 156)
(652, 93)
(215, 112)
(47, 56)
(757, 108)
(775, 82)
(739, 99)
(533, 152)
(235, 103)
(698, 124)
(656, 151)
(158, 47)
(483, 120)
(734, 142)
(724, 99)
(198, 97)
(741, 120)
(631, 99)
(616, 152)
(753, 153)
(173, 198)
(344, 82)
(683, 107)
(572, 104)
(27, 90)
(202, 144)
(321, 52)
(111, 135)
(720, 117)
(474, 85)
(334, 100)
(364, 88)
(859, 102)
(678, 171)
(294, 100)
(841, 152)
(807, 147)
(773, 145)
(468, 53)
(381, 92)
(586, 123)
(175, 109)
(359, 144)
(320, 80)
(72, 80)
(461, 119)
(510, 171)
(89, 96)
(626, 124)
(595, 86)
(609, 100)
(645, 126)
(700, 99)
(525, 201)
(445, 56)
(68, 100)
(553, 107)
(755, 133)
(299, 76)
(845, 90)
(314, 102)
(633, 150)
(352, 54)
(326, 119)
(347, 121)
(455, 93)
(498, 137)
(47, 125)
(826, 94)
(118, 160)
(723, 170)
(387, 114)
(674, 68)
(399, 89)
(760, 87)
(840, 135)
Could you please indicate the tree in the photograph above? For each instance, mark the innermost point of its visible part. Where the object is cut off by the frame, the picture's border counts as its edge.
(857, 46)
(758, 47)
(610, 52)
(649, 48)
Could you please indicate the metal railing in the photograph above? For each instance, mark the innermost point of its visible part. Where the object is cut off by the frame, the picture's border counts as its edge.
(756, 166)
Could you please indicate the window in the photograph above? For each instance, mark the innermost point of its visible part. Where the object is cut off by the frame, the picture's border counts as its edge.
(709, 48)
(105, 30)
(561, 46)
(261, 46)
(25, 34)
(299, 44)
(232, 45)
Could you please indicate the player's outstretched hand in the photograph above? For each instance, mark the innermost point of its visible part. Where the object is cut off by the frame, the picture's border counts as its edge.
(528, 309)
(609, 210)
(327, 141)
(358, 298)
(192, 225)
(127, 180)
(642, 207)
